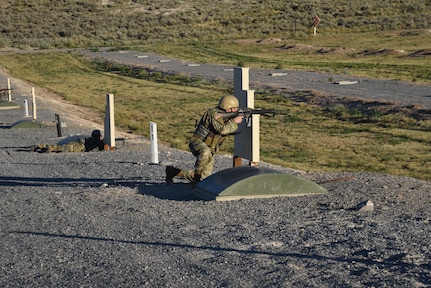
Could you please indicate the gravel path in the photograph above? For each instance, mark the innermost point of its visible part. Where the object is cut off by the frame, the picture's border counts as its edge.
(106, 219)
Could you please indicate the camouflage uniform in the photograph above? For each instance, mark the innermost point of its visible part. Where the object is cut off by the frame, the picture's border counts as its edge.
(204, 144)
(83, 145)
(69, 147)
(208, 136)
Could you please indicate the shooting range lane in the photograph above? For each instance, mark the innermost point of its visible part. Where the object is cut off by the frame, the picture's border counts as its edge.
(398, 92)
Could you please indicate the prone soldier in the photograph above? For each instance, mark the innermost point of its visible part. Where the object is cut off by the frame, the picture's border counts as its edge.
(93, 143)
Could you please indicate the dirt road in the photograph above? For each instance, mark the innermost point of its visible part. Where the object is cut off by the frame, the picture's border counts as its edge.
(396, 92)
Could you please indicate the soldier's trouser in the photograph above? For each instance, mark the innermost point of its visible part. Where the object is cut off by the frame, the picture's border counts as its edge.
(70, 147)
(204, 164)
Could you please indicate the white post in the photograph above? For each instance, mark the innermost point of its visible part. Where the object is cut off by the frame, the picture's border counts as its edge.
(154, 148)
(316, 21)
(109, 122)
(34, 103)
(9, 91)
(26, 107)
(246, 143)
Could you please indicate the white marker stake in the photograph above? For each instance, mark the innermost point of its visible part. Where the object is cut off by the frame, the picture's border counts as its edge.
(34, 104)
(109, 124)
(9, 93)
(154, 148)
(26, 107)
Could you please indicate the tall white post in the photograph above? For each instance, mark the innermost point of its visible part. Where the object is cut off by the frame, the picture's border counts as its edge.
(154, 148)
(26, 107)
(9, 91)
(316, 21)
(246, 143)
(109, 128)
(34, 103)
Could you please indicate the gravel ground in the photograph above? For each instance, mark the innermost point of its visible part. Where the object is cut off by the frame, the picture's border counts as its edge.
(106, 219)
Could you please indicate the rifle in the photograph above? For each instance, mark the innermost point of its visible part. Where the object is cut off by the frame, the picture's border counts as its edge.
(3, 92)
(247, 112)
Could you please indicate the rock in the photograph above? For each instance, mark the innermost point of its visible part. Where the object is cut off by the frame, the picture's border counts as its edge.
(365, 206)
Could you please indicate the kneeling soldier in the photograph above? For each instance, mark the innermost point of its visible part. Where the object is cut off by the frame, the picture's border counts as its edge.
(208, 136)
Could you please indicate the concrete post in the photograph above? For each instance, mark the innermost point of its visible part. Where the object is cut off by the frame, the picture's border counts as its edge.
(9, 91)
(109, 123)
(57, 117)
(154, 148)
(34, 104)
(246, 143)
(241, 79)
(26, 108)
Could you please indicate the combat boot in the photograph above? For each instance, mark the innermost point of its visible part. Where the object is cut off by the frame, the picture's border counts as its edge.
(196, 179)
(172, 172)
(37, 148)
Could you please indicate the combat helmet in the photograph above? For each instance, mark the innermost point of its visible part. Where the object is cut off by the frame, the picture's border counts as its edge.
(96, 134)
(228, 102)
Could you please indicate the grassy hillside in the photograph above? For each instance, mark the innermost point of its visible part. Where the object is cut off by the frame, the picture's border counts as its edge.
(71, 23)
(384, 39)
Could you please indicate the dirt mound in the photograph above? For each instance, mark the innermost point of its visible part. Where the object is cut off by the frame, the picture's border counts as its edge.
(414, 32)
(416, 112)
(258, 41)
(297, 47)
(381, 52)
(334, 50)
(421, 53)
(269, 40)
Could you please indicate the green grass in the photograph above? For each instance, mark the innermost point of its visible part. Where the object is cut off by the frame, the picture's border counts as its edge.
(309, 139)
(8, 104)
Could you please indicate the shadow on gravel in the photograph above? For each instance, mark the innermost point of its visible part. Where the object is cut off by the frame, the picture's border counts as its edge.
(16, 148)
(177, 191)
(394, 262)
(64, 182)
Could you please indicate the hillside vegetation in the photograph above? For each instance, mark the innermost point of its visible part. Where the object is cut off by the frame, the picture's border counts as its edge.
(72, 23)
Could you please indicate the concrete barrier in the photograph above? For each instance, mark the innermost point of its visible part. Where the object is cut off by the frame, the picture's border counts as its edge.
(248, 182)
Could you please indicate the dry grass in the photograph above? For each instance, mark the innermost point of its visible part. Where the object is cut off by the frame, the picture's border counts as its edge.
(390, 55)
